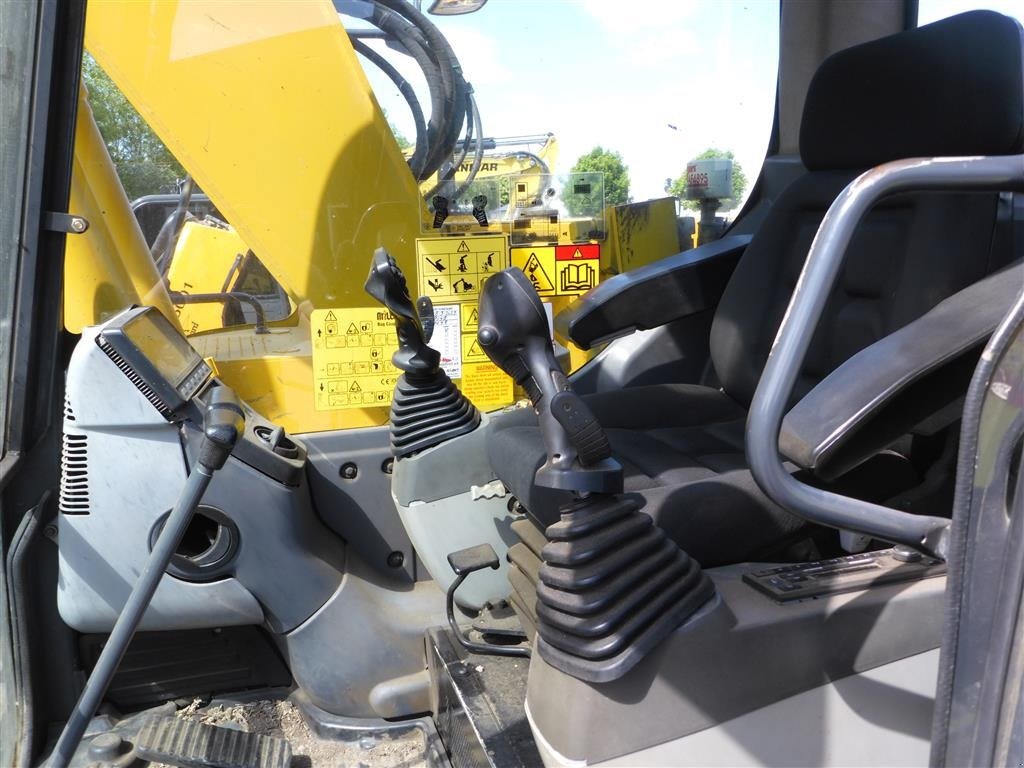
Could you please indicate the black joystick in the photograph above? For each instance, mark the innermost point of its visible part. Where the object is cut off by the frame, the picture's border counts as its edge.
(514, 333)
(427, 408)
(414, 326)
(612, 585)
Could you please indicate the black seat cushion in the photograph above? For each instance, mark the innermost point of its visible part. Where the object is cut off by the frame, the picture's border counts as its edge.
(681, 447)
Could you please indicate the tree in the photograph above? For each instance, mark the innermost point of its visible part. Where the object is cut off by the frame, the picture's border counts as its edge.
(403, 142)
(616, 179)
(677, 188)
(143, 163)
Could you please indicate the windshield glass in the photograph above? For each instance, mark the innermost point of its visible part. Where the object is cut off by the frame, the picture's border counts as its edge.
(267, 150)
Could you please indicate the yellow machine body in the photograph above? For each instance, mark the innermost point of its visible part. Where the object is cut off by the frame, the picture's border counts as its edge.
(203, 259)
(108, 267)
(504, 162)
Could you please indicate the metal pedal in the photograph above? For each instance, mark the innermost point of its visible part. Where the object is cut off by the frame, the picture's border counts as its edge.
(190, 744)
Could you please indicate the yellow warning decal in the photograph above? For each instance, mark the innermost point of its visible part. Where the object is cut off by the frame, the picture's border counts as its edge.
(538, 264)
(472, 352)
(486, 385)
(471, 320)
(454, 269)
(352, 351)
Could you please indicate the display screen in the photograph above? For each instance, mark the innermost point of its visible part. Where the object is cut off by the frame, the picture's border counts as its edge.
(166, 350)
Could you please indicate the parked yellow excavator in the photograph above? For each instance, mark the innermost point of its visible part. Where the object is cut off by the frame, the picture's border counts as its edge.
(433, 458)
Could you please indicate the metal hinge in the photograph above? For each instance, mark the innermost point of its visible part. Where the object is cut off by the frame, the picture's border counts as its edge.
(68, 223)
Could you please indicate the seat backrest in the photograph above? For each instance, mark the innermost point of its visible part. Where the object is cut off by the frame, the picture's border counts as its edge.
(952, 88)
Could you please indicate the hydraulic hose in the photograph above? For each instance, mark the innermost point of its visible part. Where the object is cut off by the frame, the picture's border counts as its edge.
(418, 159)
(452, 105)
(409, 40)
(478, 155)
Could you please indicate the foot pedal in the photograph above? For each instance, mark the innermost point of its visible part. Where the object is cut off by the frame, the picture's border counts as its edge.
(190, 744)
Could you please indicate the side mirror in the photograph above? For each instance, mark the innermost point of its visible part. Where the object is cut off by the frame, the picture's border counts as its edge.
(455, 7)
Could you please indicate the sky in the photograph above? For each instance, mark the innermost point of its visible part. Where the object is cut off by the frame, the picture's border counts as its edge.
(619, 73)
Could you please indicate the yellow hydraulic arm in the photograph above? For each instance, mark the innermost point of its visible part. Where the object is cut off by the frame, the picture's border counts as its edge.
(268, 109)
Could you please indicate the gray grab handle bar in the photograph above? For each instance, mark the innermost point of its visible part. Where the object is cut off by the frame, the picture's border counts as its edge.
(824, 260)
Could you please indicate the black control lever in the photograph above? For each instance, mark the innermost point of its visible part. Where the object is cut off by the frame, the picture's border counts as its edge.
(514, 334)
(386, 284)
(426, 408)
(588, 624)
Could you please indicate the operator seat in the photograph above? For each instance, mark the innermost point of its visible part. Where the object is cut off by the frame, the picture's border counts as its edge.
(951, 88)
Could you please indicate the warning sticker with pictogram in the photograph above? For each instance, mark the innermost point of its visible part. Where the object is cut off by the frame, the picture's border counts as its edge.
(578, 268)
(538, 264)
(352, 351)
(454, 269)
(472, 352)
(471, 320)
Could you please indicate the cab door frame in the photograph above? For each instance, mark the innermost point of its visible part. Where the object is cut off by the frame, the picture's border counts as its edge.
(41, 49)
(979, 706)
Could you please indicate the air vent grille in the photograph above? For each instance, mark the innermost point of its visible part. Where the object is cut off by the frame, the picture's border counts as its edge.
(74, 475)
(137, 380)
(69, 414)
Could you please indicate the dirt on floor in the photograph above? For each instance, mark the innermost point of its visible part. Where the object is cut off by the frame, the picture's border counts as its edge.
(284, 720)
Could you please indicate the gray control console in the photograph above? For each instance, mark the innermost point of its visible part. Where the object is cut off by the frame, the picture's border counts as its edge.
(132, 431)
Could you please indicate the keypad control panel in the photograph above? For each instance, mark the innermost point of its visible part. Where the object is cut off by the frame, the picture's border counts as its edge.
(800, 581)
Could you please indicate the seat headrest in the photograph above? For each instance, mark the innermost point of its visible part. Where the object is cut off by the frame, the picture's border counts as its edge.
(952, 88)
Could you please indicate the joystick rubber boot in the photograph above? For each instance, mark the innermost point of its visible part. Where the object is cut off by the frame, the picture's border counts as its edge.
(427, 408)
(612, 585)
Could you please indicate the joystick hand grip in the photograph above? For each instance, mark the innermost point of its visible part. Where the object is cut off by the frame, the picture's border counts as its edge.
(514, 333)
(387, 284)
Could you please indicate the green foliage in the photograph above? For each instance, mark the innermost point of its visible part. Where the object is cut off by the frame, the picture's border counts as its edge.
(403, 142)
(616, 178)
(144, 164)
(677, 188)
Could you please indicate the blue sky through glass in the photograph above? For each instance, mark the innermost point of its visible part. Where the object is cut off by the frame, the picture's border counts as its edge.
(617, 73)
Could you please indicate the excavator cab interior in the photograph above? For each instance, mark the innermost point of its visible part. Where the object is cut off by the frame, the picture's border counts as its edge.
(341, 447)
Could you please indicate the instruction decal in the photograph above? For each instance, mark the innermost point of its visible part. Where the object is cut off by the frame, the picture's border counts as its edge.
(578, 268)
(445, 338)
(471, 320)
(352, 351)
(454, 269)
(472, 352)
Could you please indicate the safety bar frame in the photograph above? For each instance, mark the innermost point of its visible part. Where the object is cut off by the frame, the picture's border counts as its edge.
(825, 258)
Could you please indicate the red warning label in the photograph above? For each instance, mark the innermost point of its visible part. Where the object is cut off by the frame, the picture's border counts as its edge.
(576, 252)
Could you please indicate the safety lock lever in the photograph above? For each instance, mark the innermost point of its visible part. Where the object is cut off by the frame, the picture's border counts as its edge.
(464, 562)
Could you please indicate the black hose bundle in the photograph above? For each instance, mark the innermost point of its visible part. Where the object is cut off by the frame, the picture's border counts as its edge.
(452, 106)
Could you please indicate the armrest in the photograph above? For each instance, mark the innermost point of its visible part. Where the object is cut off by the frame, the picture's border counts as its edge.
(652, 295)
(890, 387)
